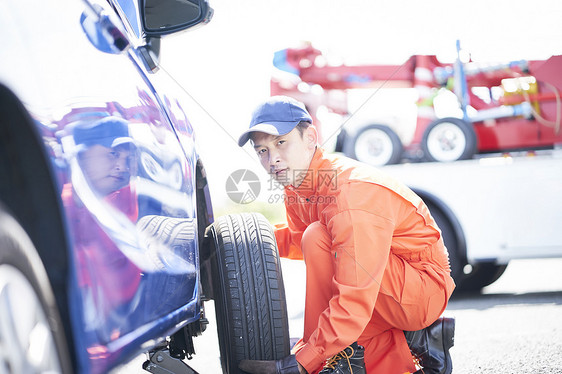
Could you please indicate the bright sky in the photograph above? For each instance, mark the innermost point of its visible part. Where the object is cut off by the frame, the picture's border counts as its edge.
(226, 65)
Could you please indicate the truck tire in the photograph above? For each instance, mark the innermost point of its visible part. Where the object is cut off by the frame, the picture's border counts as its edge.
(32, 338)
(248, 291)
(483, 274)
(449, 139)
(375, 145)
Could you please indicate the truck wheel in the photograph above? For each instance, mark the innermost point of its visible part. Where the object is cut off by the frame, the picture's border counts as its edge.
(456, 258)
(449, 139)
(248, 290)
(375, 145)
(32, 339)
(482, 275)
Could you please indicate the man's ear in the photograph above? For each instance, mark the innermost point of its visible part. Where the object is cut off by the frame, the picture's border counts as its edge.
(311, 137)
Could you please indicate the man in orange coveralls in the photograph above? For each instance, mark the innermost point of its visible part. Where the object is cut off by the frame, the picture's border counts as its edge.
(376, 266)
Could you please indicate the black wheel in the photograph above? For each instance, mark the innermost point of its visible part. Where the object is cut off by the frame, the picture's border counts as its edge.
(375, 145)
(449, 139)
(483, 274)
(480, 275)
(32, 338)
(248, 291)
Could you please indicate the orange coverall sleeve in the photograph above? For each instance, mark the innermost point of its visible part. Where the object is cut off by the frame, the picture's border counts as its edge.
(360, 245)
(288, 237)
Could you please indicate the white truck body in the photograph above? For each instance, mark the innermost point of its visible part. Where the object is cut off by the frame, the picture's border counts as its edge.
(508, 207)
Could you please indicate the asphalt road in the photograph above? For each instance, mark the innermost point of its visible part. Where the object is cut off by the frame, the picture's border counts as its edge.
(513, 326)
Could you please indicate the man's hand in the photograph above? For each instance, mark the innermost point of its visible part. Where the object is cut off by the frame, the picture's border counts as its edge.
(257, 367)
(287, 365)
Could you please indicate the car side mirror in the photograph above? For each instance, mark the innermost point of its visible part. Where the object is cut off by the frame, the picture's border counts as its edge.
(160, 17)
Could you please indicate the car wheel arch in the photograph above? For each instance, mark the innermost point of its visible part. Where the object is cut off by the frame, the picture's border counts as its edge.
(204, 220)
(29, 193)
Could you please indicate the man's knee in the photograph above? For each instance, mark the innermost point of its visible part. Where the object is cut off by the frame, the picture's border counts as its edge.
(315, 237)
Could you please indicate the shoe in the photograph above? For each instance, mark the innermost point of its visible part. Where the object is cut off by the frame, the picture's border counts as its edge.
(349, 361)
(431, 346)
(286, 365)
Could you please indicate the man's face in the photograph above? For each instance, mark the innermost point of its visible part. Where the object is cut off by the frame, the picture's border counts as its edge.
(286, 157)
(107, 169)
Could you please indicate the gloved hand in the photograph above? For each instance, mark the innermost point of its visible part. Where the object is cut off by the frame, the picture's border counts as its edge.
(286, 365)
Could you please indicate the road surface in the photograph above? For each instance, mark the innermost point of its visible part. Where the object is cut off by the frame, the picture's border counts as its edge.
(514, 326)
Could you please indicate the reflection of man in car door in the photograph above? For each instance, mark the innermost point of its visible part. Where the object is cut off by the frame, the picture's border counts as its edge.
(106, 156)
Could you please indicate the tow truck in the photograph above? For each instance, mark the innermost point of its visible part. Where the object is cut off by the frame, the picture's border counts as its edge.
(498, 196)
(498, 107)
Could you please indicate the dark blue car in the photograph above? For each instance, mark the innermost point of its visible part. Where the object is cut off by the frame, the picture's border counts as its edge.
(108, 245)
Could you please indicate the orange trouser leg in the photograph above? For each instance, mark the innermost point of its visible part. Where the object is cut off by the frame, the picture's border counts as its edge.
(408, 300)
(319, 274)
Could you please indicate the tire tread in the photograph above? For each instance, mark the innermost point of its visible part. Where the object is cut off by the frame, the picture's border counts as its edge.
(254, 310)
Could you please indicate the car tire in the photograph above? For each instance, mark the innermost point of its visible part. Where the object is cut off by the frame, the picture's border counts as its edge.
(248, 291)
(32, 338)
(376, 145)
(449, 139)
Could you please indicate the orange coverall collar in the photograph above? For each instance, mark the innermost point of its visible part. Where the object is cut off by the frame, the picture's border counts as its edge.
(309, 185)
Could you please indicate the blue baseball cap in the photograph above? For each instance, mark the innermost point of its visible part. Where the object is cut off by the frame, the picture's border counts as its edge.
(109, 132)
(277, 116)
